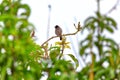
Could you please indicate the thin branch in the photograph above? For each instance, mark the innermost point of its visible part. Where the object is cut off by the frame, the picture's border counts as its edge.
(114, 7)
(77, 30)
(32, 34)
(48, 40)
(46, 53)
(98, 5)
(63, 47)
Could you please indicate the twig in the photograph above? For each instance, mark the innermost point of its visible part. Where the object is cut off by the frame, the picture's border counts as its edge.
(32, 34)
(63, 46)
(46, 53)
(113, 8)
(77, 28)
(48, 40)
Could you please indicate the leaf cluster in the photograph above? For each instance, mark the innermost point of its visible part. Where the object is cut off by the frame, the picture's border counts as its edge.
(100, 47)
(20, 57)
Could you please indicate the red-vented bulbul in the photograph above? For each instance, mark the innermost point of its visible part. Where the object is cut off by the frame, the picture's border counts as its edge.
(58, 31)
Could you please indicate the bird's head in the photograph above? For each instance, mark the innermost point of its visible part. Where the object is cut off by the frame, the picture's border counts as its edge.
(56, 26)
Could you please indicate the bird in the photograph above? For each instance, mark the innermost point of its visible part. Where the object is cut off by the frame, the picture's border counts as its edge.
(32, 34)
(58, 31)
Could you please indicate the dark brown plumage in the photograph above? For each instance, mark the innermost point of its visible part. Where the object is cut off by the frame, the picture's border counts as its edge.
(58, 31)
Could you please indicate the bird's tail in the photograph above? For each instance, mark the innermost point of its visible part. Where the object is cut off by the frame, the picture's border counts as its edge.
(60, 37)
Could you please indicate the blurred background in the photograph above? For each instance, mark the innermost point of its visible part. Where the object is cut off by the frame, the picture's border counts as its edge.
(48, 13)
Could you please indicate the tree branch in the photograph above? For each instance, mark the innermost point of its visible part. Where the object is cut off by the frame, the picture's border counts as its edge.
(78, 28)
(114, 7)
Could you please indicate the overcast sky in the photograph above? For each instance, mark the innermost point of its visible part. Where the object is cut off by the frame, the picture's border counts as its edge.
(65, 13)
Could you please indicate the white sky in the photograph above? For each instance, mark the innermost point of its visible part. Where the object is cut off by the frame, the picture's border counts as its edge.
(65, 13)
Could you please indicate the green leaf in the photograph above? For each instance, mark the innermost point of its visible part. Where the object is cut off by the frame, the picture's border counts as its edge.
(111, 21)
(8, 17)
(89, 23)
(108, 40)
(101, 25)
(82, 49)
(54, 52)
(74, 59)
(108, 28)
(27, 10)
(89, 19)
(98, 14)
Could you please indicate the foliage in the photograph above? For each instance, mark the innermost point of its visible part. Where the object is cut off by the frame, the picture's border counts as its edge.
(107, 49)
(20, 57)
